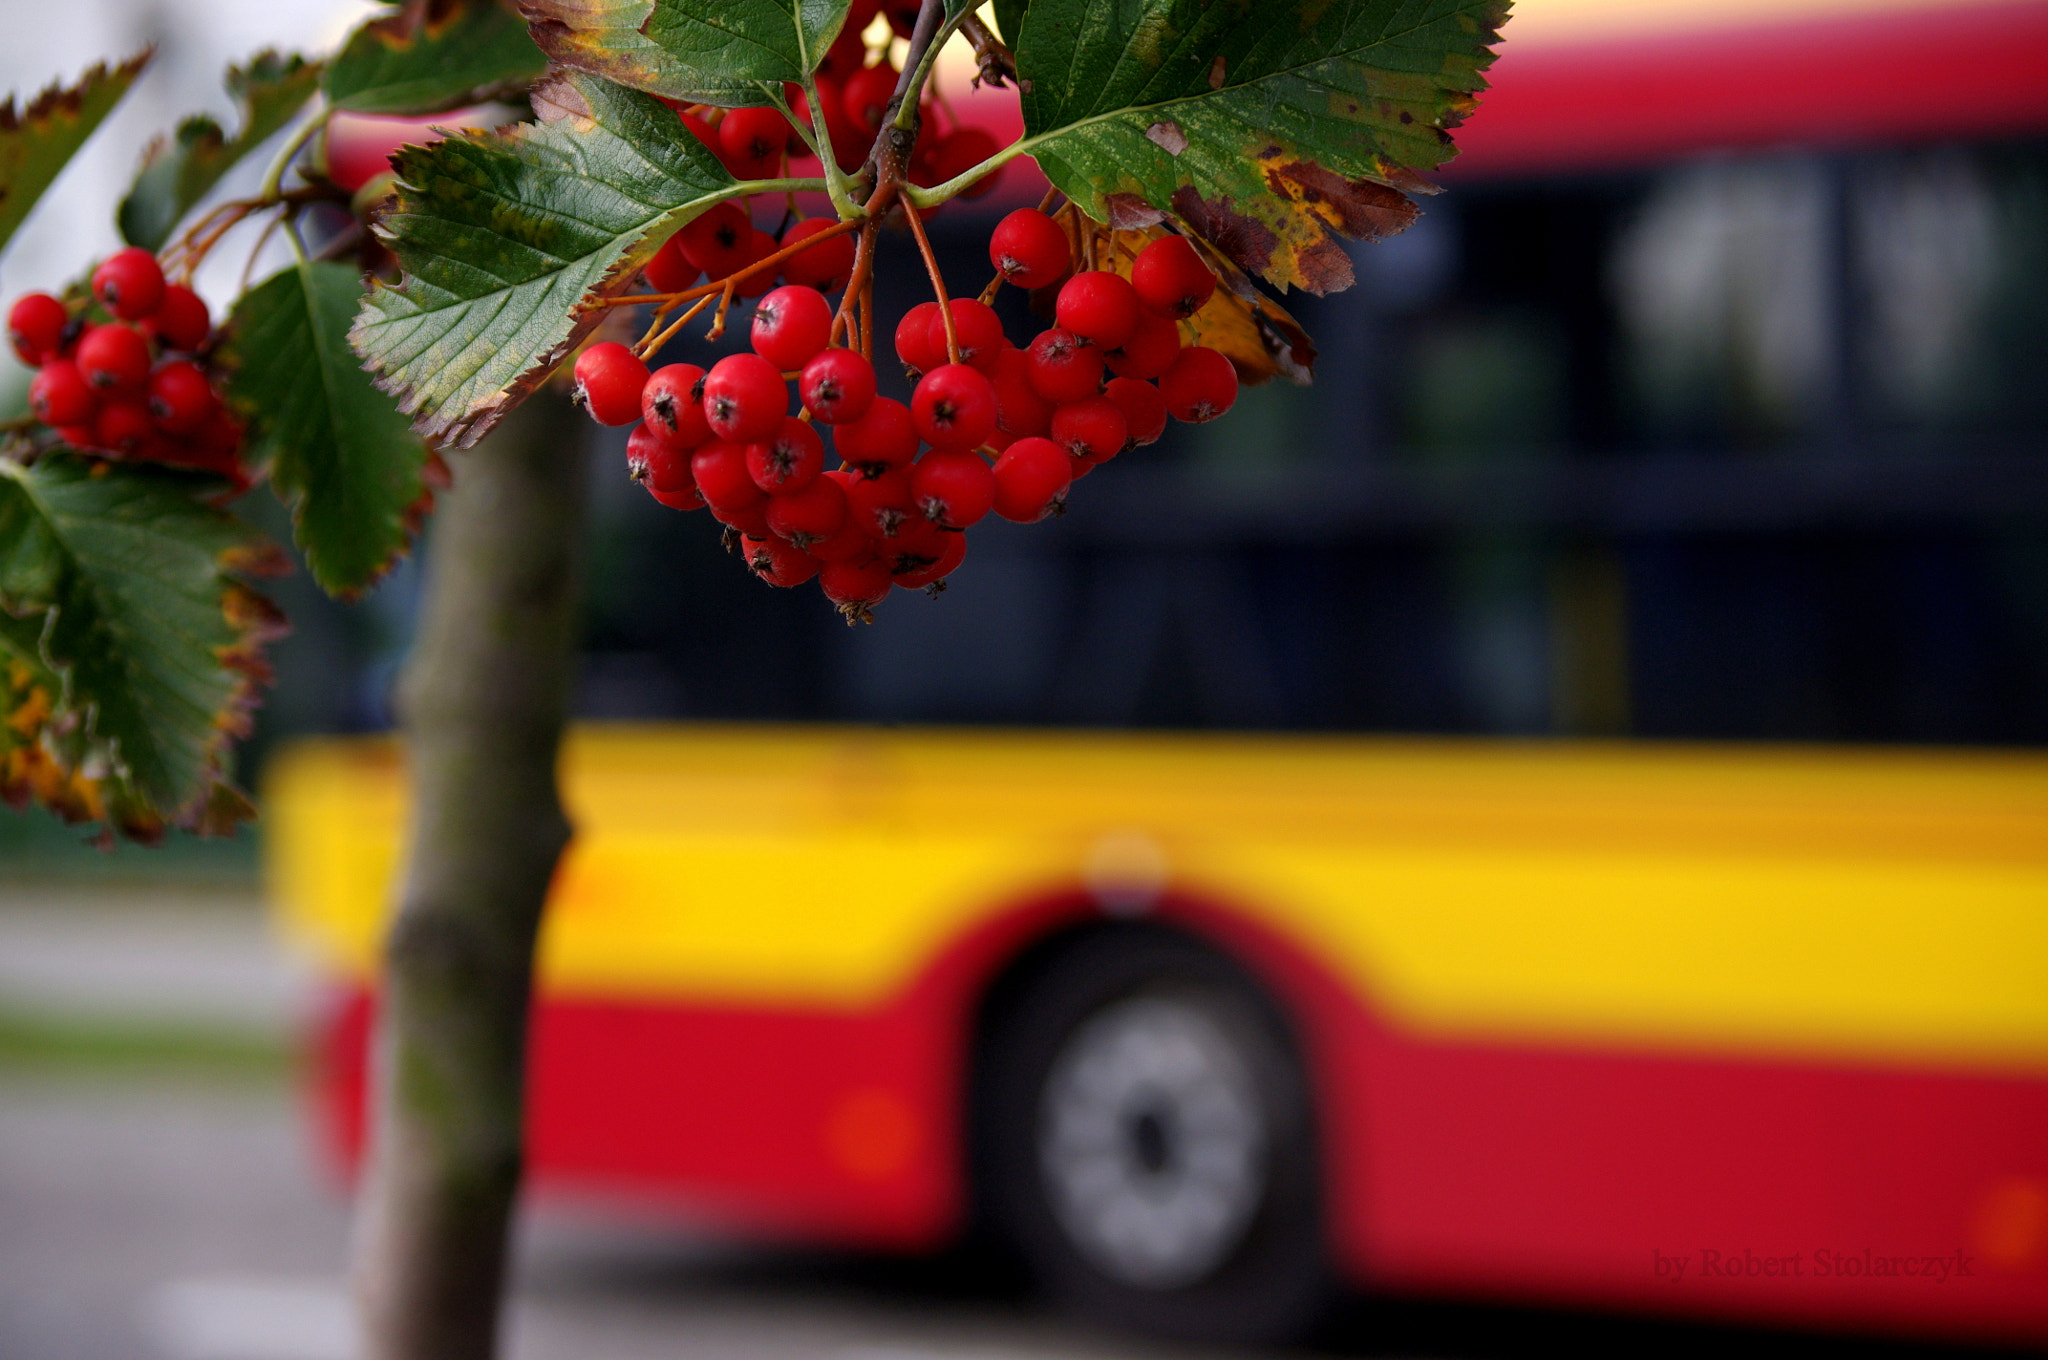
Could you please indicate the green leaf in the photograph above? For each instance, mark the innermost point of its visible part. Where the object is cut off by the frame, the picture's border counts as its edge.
(1267, 128)
(507, 237)
(177, 173)
(38, 141)
(120, 575)
(340, 454)
(723, 52)
(431, 55)
(1010, 19)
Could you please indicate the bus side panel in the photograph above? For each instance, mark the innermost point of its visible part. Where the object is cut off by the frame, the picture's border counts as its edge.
(1748, 1188)
(1555, 1173)
(1576, 1174)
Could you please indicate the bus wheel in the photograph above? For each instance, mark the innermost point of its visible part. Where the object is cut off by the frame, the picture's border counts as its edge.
(1147, 1145)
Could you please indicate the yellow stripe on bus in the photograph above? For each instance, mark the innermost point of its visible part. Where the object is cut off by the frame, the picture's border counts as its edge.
(1867, 905)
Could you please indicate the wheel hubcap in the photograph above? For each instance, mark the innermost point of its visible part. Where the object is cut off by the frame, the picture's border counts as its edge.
(1152, 1142)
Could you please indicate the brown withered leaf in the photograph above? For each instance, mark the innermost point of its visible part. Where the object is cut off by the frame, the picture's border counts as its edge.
(1250, 329)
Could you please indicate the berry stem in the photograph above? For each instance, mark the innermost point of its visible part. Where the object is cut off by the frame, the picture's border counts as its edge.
(724, 306)
(659, 335)
(927, 36)
(708, 289)
(931, 267)
(858, 283)
(273, 178)
(991, 57)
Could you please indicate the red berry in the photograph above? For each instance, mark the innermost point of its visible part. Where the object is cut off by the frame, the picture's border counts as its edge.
(129, 283)
(977, 329)
(1063, 369)
(1093, 429)
(760, 245)
(790, 461)
(808, 516)
(745, 398)
(122, 427)
(670, 271)
(825, 265)
(791, 325)
(1200, 386)
(953, 487)
(852, 541)
(882, 505)
(35, 325)
(1170, 279)
(952, 551)
(837, 387)
(720, 471)
(847, 52)
(717, 240)
(955, 155)
(1144, 409)
(751, 141)
(778, 563)
(914, 339)
(1028, 249)
(181, 321)
(1019, 408)
(1098, 306)
(181, 399)
(1030, 478)
(916, 543)
(954, 407)
(60, 395)
(114, 358)
(75, 436)
(902, 15)
(696, 126)
(672, 405)
(609, 378)
(1150, 350)
(662, 468)
(866, 96)
(856, 586)
(884, 437)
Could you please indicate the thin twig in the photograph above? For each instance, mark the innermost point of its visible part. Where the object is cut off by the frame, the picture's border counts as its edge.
(931, 267)
(653, 341)
(704, 289)
(992, 59)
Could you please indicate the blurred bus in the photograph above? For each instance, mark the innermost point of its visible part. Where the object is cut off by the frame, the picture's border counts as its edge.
(1204, 1024)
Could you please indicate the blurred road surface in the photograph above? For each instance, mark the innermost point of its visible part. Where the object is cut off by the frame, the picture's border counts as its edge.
(161, 1200)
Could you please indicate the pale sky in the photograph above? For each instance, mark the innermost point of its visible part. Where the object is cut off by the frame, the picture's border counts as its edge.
(196, 39)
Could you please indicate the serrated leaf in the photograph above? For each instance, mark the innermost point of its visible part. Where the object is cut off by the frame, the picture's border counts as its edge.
(1268, 128)
(340, 454)
(124, 615)
(177, 172)
(37, 142)
(723, 52)
(507, 237)
(431, 55)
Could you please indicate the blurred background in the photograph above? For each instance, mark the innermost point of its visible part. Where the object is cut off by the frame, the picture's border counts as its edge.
(1706, 404)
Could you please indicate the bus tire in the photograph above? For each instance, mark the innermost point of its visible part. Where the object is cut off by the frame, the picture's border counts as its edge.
(1146, 1141)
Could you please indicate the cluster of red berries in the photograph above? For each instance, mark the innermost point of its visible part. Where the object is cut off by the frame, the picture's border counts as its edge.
(129, 386)
(853, 97)
(1002, 429)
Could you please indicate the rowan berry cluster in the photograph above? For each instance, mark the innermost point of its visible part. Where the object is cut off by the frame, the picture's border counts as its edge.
(123, 374)
(990, 427)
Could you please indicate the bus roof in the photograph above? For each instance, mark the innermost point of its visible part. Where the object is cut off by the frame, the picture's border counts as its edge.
(1601, 84)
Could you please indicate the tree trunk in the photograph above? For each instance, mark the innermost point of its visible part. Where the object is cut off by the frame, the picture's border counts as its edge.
(483, 700)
